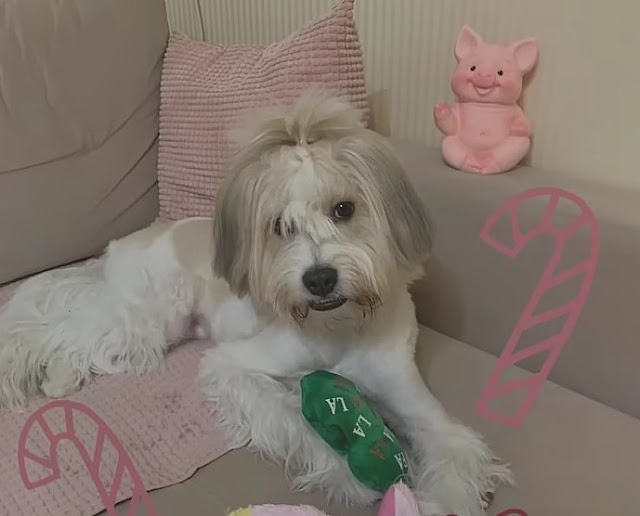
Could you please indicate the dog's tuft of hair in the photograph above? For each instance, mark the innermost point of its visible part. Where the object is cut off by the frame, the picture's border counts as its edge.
(315, 115)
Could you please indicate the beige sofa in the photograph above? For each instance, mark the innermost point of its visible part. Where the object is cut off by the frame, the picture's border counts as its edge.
(78, 138)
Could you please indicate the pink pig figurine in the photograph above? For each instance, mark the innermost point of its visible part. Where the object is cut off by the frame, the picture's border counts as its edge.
(486, 131)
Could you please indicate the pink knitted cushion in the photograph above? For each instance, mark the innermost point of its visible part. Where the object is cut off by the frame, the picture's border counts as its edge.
(205, 88)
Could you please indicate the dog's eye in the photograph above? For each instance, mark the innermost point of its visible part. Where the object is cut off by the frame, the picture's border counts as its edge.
(277, 226)
(343, 210)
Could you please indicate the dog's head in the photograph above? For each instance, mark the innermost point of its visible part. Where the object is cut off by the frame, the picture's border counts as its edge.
(318, 214)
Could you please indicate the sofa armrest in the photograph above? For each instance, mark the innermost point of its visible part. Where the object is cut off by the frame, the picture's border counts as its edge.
(475, 294)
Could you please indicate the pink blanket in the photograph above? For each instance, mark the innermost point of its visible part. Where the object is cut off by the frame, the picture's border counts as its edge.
(159, 418)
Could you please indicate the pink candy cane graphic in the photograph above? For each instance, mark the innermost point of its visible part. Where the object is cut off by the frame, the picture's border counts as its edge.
(551, 277)
(73, 410)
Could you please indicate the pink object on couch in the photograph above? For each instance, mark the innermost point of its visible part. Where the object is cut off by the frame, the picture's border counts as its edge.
(398, 501)
(280, 510)
(206, 87)
(486, 131)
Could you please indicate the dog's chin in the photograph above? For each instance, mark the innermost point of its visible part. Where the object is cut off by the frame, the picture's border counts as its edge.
(327, 304)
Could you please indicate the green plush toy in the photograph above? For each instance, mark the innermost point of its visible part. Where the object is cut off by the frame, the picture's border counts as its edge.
(341, 415)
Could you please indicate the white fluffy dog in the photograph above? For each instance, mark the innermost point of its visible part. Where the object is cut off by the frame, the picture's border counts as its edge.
(314, 242)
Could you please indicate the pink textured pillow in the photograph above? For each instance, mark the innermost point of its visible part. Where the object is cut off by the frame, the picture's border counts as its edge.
(205, 88)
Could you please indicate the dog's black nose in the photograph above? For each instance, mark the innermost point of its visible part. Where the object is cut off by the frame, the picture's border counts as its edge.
(320, 280)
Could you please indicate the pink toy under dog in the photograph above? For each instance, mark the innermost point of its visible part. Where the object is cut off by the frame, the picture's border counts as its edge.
(486, 131)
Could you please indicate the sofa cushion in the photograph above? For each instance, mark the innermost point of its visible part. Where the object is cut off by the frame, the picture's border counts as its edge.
(476, 294)
(79, 100)
(572, 456)
(206, 88)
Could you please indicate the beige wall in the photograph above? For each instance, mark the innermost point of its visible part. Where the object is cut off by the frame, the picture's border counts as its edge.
(584, 98)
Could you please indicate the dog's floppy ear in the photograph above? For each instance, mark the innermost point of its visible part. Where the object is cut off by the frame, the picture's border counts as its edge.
(407, 218)
(233, 228)
(405, 212)
(372, 155)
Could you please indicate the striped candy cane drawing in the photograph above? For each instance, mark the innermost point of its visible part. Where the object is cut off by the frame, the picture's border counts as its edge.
(73, 411)
(532, 385)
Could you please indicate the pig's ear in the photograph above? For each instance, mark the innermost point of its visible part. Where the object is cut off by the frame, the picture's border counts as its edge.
(466, 43)
(525, 53)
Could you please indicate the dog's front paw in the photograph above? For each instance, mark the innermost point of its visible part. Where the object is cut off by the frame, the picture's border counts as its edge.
(459, 471)
(61, 379)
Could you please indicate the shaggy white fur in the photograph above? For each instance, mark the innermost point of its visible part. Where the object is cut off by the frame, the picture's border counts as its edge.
(316, 238)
